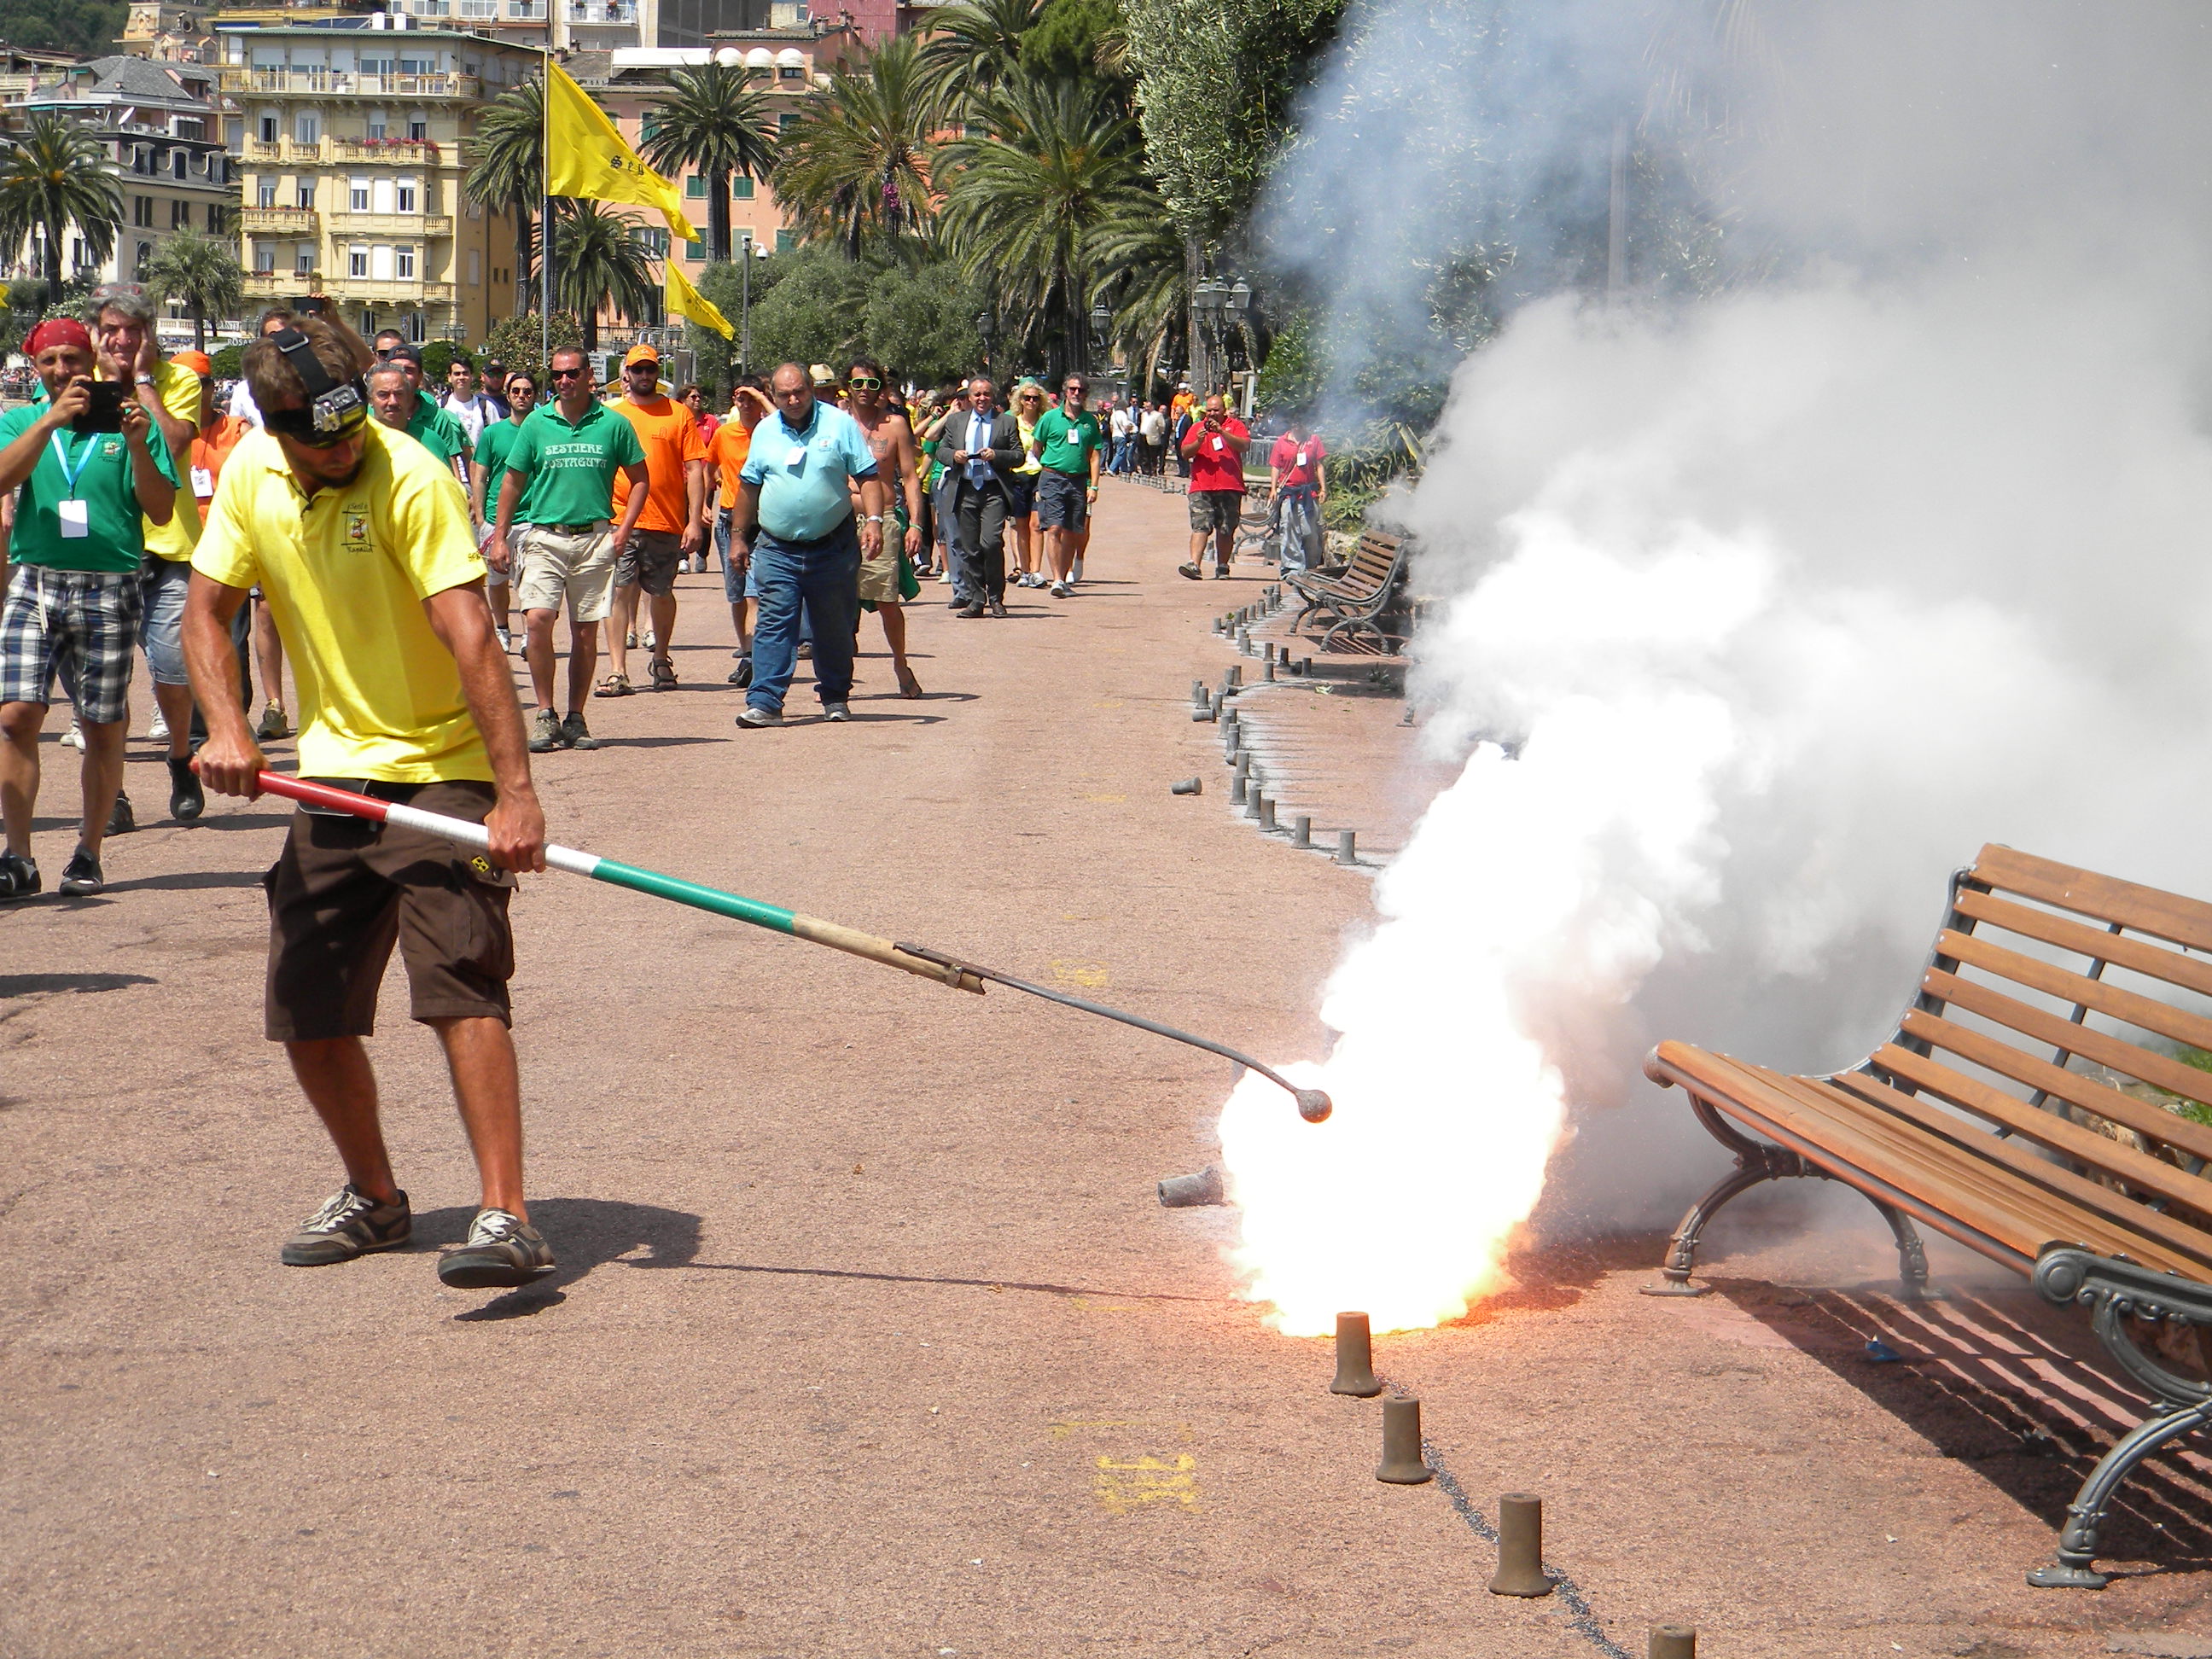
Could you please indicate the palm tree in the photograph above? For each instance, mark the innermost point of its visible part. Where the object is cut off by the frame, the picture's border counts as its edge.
(506, 171)
(599, 260)
(53, 176)
(857, 162)
(202, 273)
(1148, 289)
(715, 123)
(1023, 206)
(974, 48)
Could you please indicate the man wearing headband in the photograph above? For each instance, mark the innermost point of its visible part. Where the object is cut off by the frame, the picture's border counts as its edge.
(91, 482)
(360, 541)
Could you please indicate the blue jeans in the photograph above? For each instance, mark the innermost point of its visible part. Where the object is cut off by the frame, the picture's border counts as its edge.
(819, 581)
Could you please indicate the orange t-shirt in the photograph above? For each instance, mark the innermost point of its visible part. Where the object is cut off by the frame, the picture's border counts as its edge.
(733, 442)
(671, 438)
(210, 449)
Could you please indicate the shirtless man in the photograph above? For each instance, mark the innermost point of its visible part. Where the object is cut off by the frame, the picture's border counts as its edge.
(890, 439)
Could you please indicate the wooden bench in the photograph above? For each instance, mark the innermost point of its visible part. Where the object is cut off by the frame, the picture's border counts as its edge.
(1356, 594)
(2002, 1117)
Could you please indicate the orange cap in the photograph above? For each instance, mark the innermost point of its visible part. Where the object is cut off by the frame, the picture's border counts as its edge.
(641, 354)
(197, 362)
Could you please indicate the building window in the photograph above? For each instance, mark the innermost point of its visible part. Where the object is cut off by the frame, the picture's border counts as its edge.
(268, 129)
(179, 164)
(376, 124)
(217, 214)
(790, 72)
(785, 241)
(356, 195)
(233, 133)
(788, 121)
(380, 263)
(305, 190)
(476, 268)
(695, 188)
(405, 266)
(418, 127)
(695, 251)
(647, 131)
(180, 216)
(418, 327)
(265, 193)
(357, 262)
(303, 260)
(741, 189)
(145, 258)
(307, 126)
(141, 210)
(264, 258)
(411, 196)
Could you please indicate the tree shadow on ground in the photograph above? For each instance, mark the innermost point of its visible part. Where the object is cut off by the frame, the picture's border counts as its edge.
(586, 1233)
(1993, 1376)
(27, 985)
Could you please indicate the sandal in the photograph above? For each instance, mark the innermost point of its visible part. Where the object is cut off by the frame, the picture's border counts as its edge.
(909, 687)
(615, 685)
(664, 674)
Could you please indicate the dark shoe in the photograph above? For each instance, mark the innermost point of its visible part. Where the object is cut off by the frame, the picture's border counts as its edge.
(1191, 571)
(574, 734)
(998, 608)
(122, 821)
(81, 877)
(185, 800)
(348, 1224)
(19, 877)
(742, 675)
(973, 608)
(501, 1252)
(545, 733)
(836, 711)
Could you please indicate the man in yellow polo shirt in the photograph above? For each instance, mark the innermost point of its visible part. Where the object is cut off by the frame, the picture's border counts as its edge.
(360, 542)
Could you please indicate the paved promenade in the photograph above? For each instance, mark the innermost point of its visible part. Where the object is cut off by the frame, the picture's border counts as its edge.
(870, 1340)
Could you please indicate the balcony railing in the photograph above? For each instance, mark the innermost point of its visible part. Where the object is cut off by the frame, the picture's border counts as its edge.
(323, 82)
(502, 11)
(417, 225)
(414, 152)
(376, 291)
(602, 11)
(279, 221)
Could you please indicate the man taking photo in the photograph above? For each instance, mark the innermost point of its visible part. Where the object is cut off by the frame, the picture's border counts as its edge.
(1213, 451)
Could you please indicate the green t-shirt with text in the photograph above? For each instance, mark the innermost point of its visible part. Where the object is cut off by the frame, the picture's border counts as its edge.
(492, 450)
(1068, 442)
(115, 536)
(567, 472)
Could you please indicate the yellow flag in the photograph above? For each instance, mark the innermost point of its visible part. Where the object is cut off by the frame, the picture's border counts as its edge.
(585, 157)
(685, 301)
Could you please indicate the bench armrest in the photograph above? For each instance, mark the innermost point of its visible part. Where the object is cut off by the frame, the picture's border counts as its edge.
(2112, 1290)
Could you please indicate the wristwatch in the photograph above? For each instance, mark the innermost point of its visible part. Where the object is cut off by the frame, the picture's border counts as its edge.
(145, 380)
(873, 518)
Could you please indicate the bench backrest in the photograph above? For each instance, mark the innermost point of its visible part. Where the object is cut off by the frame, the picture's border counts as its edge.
(2056, 1008)
(1374, 561)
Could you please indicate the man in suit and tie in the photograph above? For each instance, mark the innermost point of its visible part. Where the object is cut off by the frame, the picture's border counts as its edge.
(982, 452)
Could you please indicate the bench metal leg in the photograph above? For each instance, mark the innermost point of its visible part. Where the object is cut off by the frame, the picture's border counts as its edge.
(2076, 1567)
(1755, 1162)
(1911, 1255)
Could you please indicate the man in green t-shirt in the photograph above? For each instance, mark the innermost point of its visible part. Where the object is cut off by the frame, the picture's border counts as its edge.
(395, 403)
(560, 487)
(73, 600)
(1067, 444)
(487, 466)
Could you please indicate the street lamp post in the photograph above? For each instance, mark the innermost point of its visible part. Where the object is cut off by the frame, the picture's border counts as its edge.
(1102, 324)
(985, 322)
(1207, 301)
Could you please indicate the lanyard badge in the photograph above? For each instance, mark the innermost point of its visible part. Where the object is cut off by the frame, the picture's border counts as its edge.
(75, 519)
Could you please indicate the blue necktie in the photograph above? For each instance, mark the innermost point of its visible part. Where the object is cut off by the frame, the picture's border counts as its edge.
(979, 440)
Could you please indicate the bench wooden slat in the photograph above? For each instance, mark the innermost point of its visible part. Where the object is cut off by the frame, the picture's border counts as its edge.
(2140, 956)
(2145, 1013)
(2120, 1209)
(2052, 1129)
(1932, 1179)
(2147, 909)
(2071, 1087)
(2117, 1053)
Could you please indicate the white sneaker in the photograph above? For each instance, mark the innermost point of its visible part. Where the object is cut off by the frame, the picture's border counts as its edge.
(836, 711)
(753, 716)
(75, 736)
(651, 643)
(944, 579)
(1063, 590)
(157, 732)
(1076, 573)
(506, 640)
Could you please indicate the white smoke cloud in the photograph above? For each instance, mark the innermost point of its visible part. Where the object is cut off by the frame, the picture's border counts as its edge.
(1793, 596)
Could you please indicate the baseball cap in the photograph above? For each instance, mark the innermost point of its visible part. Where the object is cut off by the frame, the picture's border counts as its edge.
(822, 374)
(197, 362)
(404, 353)
(640, 354)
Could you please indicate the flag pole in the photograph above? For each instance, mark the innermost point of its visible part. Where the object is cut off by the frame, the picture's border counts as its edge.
(545, 218)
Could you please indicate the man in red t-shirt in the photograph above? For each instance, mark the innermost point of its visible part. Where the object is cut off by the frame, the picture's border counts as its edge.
(1297, 484)
(1215, 447)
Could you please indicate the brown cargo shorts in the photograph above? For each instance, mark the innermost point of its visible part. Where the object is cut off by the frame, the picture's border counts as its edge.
(345, 890)
(649, 561)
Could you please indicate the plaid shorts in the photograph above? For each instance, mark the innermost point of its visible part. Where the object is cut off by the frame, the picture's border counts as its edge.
(80, 624)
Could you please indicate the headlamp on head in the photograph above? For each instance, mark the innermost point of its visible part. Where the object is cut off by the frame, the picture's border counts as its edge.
(336, 410)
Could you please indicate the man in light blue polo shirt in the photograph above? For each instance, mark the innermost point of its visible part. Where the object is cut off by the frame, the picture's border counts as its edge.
(794, 511)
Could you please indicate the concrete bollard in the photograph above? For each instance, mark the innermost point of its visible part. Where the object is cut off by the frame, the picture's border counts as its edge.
(1213, 706)
(1305, 665)
(1355, 1358)
(1267, 673)
(1267, 814)
(1402, 1464)
(1302, 831)
(1255, 804)
(1520, 1547)
(1239, 789)
(1235, 679)
(1188, 787)
(1198, 692)
(1188, 1191)
(1674, 1642)
(1347, 847)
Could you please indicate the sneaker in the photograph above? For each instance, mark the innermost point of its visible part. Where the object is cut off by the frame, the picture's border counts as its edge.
(753, 714)
(742, 675)
(998, 608)
(651, 641)
(74, 736)
(1075, 573)
(81, 877)
(19, 877)
(274, 724)
(629, 641)
(945, 577)
(186, 799)
(1063, 590)
(1192, 571)
(574, 734)
(349, 1224)
(158, 730)
(544, 731)
(836, 711)
(122, 820)
(505, 639)
(502, 1251)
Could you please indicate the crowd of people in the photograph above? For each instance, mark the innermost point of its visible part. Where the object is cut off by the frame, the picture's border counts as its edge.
(335, 514)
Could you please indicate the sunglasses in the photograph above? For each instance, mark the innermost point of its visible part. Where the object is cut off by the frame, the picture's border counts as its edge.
(865, 383)
(565, 375)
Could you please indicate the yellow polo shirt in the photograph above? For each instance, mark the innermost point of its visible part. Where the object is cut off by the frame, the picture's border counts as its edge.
(345, 575)
(178, 389)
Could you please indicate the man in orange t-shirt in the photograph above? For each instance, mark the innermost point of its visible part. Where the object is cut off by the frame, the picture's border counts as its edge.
(725, 452)
(668, 530)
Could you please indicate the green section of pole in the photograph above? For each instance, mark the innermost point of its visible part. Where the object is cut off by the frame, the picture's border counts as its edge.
(773, 917)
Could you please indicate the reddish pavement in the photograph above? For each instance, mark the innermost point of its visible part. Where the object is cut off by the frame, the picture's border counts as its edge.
(869, 1338)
